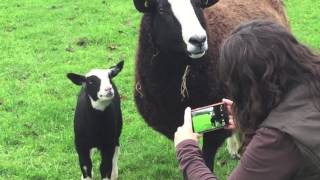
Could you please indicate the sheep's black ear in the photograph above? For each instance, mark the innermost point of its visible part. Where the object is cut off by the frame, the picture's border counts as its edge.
(76, 78)
(116, 69)
(208, 3)
(142, 5)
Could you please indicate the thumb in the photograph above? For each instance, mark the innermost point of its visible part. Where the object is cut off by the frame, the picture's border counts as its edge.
(187, 117)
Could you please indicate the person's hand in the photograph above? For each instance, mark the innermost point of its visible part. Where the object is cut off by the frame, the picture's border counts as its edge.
(228, 103)
(185, 131)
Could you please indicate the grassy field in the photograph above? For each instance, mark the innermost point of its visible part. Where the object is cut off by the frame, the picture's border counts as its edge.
(40, 41)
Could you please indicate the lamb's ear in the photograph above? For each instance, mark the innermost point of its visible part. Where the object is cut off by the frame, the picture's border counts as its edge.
(208, 3)
(142, 5)
(116, 69)
(76, 78)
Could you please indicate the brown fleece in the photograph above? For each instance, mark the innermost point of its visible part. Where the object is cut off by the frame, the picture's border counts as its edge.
(224, 16)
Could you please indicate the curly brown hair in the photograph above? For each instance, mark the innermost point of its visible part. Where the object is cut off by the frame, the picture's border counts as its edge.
(260, 62)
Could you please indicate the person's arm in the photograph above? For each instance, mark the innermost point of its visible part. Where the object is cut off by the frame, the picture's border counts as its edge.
(271, 155)
(191, 161)
(188, 152)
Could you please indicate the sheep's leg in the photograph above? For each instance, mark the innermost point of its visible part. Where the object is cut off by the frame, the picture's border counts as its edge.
(85, 164)
(211, 142)
(114, 173)
(106, 162)
(233, 145)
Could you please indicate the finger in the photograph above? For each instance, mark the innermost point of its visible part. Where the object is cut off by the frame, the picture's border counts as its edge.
(187, 117)
(228, 104)
(230, 119)
(198, 135)
(231, 125)
(227, 101)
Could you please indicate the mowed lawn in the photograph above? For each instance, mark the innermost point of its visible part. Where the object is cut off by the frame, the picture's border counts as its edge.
(41, 41)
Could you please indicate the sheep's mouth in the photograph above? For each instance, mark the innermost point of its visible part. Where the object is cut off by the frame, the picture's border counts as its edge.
(106, 96)
(196, 54)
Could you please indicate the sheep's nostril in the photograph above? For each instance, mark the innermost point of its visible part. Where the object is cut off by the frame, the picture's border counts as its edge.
(197, 41)
(109, 94)
(108, 89)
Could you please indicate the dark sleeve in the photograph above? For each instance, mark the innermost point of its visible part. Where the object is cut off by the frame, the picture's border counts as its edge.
(271, 155)
(191, 161)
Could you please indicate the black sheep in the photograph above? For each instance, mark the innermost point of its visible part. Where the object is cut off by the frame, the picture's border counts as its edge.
(177, 57)
(98, 120)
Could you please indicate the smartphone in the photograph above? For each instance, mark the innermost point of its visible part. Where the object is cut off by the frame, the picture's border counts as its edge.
(209, 118)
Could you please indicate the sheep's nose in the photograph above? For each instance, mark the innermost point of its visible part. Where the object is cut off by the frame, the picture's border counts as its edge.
(109, 92)
(198, 40)
(108, 89)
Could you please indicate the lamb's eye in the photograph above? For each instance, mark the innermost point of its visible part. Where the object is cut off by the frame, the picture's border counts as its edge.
(90, 82)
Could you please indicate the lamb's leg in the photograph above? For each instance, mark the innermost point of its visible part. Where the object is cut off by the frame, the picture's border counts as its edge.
(211, 142)
(114, 173)
(85, 163)
(106, 162)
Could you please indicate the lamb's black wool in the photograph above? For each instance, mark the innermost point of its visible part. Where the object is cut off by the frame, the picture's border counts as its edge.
(98, 120)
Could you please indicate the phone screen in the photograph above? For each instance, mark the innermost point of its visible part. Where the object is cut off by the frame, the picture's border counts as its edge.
(209, 118)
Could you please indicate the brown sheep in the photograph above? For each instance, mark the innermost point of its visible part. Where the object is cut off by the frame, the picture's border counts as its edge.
(176, 63)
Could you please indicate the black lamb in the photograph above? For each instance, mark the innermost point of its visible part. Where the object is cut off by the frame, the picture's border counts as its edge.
(98, 120)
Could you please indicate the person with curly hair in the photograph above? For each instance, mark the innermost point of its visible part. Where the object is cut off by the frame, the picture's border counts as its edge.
(273, 83)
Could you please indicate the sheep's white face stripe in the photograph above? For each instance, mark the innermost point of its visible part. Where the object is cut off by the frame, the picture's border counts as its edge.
(190, 25)
(103, 101)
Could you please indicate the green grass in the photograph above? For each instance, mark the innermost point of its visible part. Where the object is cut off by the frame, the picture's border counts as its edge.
(40, 41)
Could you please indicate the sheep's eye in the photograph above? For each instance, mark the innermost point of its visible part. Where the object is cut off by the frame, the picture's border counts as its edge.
(90, 82)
